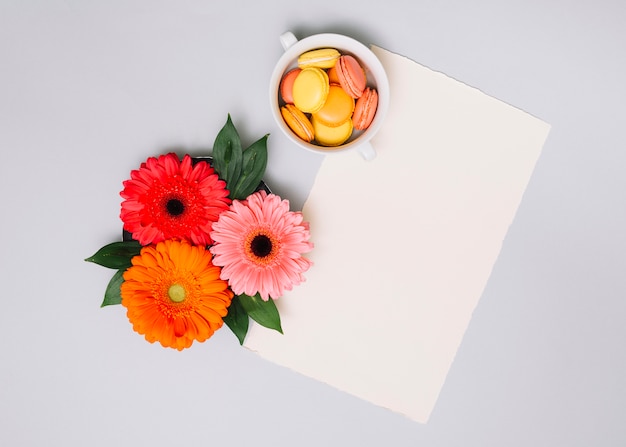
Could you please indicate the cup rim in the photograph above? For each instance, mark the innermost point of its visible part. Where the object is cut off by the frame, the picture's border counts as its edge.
(346, 45)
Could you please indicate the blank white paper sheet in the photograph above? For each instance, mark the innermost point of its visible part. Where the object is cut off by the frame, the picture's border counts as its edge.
(405, 243)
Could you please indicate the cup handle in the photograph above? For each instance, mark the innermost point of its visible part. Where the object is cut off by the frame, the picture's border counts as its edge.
(367, 151)
(287, 39)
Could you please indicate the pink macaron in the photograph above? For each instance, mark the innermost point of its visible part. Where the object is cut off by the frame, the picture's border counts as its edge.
(286, 85)
(351, 75)
(365, 109)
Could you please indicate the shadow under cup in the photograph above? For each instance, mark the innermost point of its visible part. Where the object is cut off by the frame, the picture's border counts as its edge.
(374, 72)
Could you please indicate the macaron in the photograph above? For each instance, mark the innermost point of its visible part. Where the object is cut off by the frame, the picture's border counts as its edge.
(297, 122)
(310, 89)
(365, 109)
(286, 85)
(320, 58)
(332, 75)
(331, 136)
(351, 75)
(337, 109)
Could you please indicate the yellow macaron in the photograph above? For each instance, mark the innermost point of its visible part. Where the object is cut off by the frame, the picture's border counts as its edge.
(331, 136)
(310, 89)
(320, 58)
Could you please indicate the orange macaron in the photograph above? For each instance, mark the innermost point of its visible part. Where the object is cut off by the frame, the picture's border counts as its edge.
(337, 109)
(298, 122)
(365, 109)
(286, 85)
(351, 75)
(332, 75)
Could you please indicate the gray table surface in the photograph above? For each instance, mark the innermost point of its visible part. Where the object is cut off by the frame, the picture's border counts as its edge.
(89, 89)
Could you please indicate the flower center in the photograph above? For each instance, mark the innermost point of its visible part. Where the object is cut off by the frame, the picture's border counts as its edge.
(261, 245)
(175, 207)
(177, 293)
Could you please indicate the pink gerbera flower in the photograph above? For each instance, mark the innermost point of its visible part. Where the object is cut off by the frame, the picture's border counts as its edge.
(171, 199)
(259, 243)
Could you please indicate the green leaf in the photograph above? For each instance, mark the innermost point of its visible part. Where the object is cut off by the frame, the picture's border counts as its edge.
(113, 295)
(228, 154)
(116, 255)
(263, 312)
(237, 319)
(253, 169)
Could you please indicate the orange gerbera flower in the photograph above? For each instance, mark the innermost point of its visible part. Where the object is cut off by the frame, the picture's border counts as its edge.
(174, 295)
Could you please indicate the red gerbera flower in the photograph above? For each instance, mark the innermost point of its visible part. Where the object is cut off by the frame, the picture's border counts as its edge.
(171, 199)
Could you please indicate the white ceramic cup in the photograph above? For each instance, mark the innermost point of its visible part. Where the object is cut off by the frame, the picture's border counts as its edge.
(360, 141)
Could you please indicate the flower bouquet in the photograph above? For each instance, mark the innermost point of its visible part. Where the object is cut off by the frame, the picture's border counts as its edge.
(205, 243)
